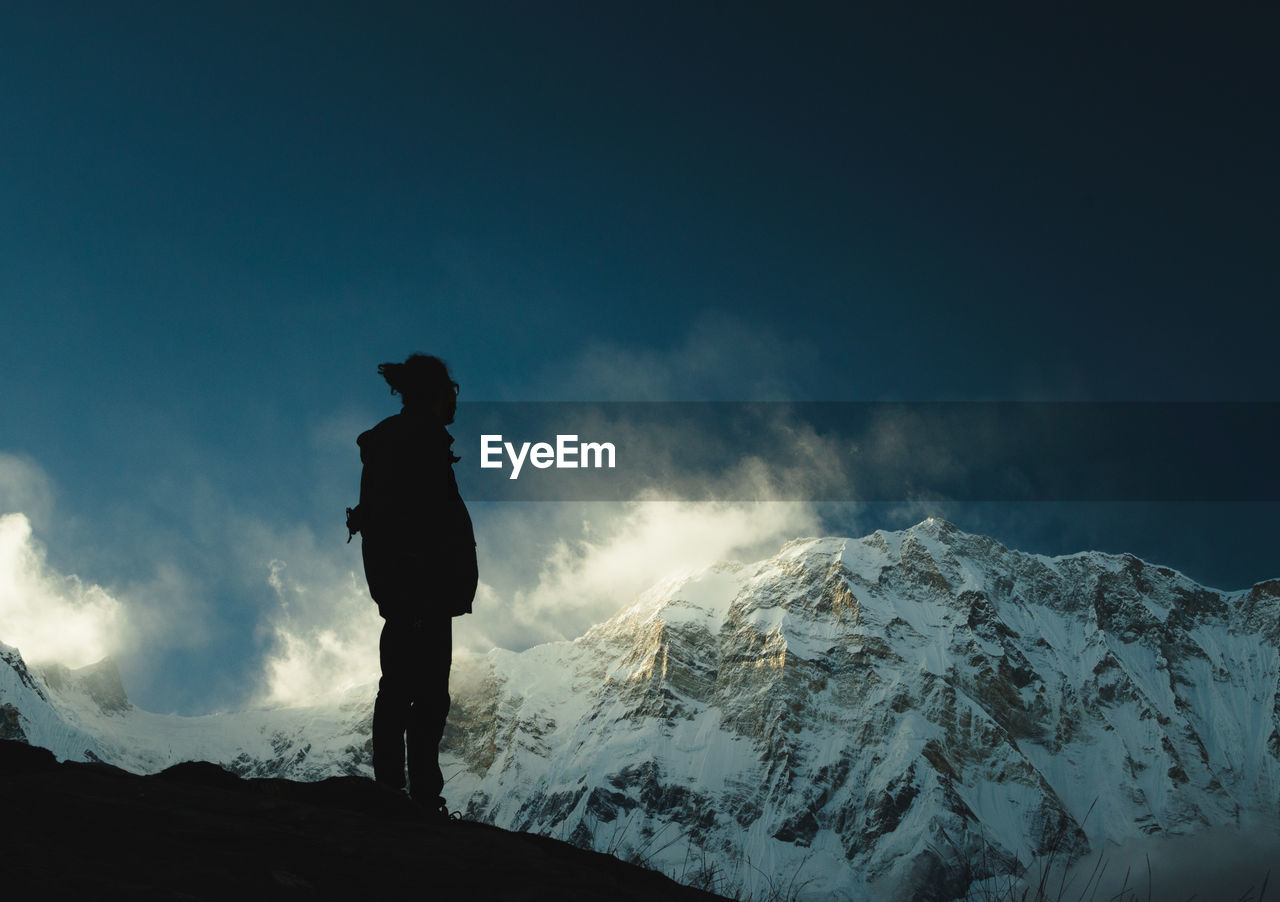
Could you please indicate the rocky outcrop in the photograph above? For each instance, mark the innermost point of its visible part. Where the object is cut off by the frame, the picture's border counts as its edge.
(197, 831)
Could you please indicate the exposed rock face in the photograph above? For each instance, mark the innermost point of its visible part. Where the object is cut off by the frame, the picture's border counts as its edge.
(896, 715)
(11, 723)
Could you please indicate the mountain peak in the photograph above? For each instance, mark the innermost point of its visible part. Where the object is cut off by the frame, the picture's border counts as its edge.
(99, 683)
(937, 526)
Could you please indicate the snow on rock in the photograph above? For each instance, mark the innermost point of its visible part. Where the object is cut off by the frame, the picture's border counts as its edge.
(879, 714)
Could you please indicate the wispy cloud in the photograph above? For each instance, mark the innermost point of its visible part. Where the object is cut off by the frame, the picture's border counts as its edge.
(601, 557)
(319, 629)
(324, 638)
(25, 488)
(722, 357)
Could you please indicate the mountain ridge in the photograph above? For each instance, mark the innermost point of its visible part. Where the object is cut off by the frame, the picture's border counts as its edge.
(849, 714)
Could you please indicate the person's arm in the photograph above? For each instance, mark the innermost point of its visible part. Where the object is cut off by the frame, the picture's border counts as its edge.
(377, 487)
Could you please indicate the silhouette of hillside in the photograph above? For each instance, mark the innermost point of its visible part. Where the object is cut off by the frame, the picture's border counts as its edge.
(197, 831)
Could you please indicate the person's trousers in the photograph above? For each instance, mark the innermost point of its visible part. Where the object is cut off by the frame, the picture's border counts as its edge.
(412, 704)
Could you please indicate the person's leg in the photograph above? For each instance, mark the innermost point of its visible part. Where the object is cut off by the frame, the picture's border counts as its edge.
(392, 708)
(430, 711)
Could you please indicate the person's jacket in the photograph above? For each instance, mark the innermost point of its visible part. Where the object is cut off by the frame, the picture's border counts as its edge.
(418, 544)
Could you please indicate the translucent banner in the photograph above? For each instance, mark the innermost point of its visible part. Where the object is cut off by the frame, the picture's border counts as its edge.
(872, 451)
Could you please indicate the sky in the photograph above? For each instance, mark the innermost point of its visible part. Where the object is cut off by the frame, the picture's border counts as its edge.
(217, 218)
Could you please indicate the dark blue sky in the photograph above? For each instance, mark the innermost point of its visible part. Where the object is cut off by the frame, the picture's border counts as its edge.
(217, 218)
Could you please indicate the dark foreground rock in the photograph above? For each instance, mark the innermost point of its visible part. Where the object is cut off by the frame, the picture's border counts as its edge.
(197, 831)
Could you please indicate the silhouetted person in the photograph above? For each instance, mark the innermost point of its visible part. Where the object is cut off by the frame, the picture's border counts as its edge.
(420, 560)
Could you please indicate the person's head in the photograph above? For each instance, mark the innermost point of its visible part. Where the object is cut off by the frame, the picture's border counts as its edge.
(424, 384)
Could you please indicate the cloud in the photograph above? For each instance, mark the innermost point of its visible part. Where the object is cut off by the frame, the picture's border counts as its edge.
(601, 557)
(549, 571)
(48, 615)
(148, 607)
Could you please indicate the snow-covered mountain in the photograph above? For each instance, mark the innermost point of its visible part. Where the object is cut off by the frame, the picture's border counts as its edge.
(84, 715)
(896, 715)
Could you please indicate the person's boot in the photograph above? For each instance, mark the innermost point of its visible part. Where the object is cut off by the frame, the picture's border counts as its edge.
(436, 807)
